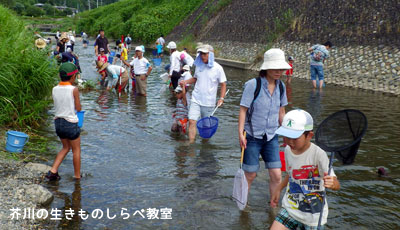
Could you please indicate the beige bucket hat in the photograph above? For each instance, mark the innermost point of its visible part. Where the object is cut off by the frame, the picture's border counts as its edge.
(274, 59)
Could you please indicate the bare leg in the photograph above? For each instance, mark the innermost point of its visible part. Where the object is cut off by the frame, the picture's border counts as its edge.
(76, 150)
(192, 130)
(61, 155)
(321, 84)
(277, 226)
(275, 176)
(250, 176)
(314, 82)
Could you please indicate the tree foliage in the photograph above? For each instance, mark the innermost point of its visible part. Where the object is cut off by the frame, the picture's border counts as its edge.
(144, 20)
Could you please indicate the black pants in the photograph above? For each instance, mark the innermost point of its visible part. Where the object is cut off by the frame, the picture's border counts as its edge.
(174, 78)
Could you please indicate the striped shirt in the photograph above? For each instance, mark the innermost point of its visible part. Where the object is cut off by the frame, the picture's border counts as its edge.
(181, 111)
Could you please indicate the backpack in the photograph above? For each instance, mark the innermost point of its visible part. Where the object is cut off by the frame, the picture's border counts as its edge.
(317, 55)
(250, 111)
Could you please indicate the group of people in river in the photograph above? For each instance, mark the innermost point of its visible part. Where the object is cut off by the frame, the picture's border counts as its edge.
(262, 118)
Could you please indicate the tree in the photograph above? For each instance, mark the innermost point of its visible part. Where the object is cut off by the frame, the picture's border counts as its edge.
(19, 8)
(68, 11)
(49, 9)
(34, 11)
(7, 3)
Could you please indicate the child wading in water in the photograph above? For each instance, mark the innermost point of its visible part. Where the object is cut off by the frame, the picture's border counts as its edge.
(307, 166)
(181, 111)
(289, 72)
(66, 102)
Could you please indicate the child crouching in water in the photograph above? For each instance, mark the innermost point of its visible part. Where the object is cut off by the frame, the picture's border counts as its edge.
(181, 111)
(307, 166)
(66, 102)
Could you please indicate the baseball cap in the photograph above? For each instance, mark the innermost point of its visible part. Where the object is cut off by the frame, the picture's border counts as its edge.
(205, 48)
(139, 48)
(178, 89)
(67, 69)
(101, 49)
(295, 123)
(171, 45)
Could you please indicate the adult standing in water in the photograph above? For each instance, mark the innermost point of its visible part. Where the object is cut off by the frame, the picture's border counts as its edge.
(175, 60)
(208, 75)
(101, 42)
(61, 45)
(261, 112)
(142, 69)
(317, 58)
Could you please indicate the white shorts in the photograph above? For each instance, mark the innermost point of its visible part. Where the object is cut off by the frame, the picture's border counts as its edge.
(197, 111)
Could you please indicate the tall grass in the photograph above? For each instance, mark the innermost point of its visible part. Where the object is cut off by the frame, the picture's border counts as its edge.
(26, 74)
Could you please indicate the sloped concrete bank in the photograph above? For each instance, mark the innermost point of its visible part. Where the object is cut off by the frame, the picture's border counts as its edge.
(374, 68)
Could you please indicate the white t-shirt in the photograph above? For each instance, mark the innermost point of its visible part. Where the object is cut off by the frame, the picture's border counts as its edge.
(115, 70)
(161, 41)
(64, 103)
(175, 62)
(188, 59)
(306, 173)
(206, 87)
(140, 66)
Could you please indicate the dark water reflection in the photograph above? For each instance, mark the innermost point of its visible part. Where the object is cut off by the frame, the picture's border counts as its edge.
(131, 160)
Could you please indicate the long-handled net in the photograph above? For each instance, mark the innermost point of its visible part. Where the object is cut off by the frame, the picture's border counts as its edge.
(341, 134)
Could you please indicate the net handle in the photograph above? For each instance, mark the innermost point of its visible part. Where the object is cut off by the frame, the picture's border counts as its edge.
(324, 193)
(218, 105)
(241, 157)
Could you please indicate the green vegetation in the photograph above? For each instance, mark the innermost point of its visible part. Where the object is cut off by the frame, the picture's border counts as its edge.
(26, 77)
(144, 20)
(221, 4)
(61, 23)
(280, 26)
(188, 42)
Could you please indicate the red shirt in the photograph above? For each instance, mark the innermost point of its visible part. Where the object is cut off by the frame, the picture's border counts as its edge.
(290, 71)
(104, 58)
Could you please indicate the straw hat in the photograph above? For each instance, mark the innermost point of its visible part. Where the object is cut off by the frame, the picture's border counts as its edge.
(64, 35)
(274, 59)
(101, 66)
(40, 43)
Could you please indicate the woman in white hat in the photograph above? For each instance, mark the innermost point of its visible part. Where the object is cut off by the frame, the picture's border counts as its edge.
(261, 118)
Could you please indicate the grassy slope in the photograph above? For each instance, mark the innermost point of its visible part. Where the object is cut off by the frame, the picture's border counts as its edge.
(26, 75)
(144, 20)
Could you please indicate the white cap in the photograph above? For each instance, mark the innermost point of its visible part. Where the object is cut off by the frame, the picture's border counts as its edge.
(205, 48)
(186, 67)
(139, 48)
(171, 45)
(295, 123)
(274, 59)
(178, 89)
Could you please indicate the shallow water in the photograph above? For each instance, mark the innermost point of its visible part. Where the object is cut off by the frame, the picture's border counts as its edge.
(131, 160)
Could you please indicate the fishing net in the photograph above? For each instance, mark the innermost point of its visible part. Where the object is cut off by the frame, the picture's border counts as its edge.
(207, 126)
(341, 133)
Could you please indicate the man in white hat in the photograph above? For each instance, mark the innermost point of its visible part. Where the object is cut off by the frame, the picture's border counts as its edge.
(261, 118)
(175, 60)
(142, 70)
(208, 75)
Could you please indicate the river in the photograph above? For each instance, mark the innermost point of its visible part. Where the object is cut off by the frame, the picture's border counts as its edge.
(131, 162)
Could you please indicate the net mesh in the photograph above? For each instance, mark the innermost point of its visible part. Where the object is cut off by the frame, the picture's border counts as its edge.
(341, 133)
(207, 126)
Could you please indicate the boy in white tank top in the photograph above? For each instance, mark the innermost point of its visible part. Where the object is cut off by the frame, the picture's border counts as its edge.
(66, 102)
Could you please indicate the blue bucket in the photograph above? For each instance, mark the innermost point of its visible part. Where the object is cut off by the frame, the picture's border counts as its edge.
(16, 141)
(81, 116)
(207, 126)
(157, 61)
(111, 57)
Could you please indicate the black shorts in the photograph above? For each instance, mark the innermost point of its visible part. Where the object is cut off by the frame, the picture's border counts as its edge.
(175, 78)
(66, 129)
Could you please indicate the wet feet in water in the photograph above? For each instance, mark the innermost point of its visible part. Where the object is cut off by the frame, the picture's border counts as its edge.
(53, 176)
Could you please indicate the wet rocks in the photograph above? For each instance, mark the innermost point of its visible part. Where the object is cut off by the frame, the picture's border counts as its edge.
(19, 188)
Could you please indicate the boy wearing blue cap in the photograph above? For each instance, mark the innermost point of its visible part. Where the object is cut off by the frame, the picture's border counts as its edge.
(307, 166)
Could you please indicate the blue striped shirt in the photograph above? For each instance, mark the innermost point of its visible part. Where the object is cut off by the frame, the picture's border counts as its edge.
(265, 118)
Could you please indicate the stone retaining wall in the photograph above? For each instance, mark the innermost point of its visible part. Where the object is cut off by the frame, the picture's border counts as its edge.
(367, 67)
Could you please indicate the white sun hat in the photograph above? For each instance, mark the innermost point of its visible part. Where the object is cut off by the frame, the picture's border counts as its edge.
(274, 59)
(171, 45)
(186, 67)
(295, 123)
(205, 48)
(139, 48)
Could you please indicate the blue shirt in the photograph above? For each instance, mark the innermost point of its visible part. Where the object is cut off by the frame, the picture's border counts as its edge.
(324, 54)
(265, 118)
(159, 48)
